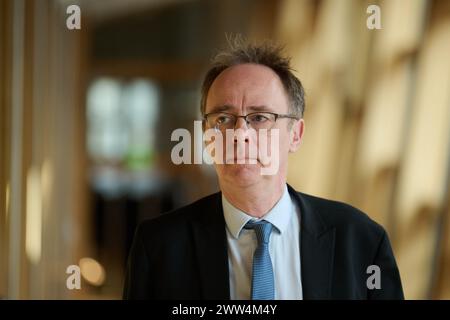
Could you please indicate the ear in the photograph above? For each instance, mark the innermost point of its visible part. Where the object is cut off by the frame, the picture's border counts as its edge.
(296, 135)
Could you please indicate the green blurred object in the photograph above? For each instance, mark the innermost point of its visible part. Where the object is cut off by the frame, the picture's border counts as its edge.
(138, 158)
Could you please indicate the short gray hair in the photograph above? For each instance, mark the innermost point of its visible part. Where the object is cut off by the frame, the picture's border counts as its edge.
(266, 54)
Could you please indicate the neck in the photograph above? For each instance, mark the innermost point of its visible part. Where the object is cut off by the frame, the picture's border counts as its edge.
(255, 200)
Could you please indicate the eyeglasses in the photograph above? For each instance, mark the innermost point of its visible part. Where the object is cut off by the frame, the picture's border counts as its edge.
(255, 120)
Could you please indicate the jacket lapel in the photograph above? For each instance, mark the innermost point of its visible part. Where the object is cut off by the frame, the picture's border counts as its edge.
(316, 250)
(211, 249)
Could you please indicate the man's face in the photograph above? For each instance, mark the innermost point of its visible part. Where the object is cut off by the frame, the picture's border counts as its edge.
(241, 90)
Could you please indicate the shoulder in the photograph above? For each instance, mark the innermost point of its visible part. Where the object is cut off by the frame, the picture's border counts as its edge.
(178, 219)
(343, 217)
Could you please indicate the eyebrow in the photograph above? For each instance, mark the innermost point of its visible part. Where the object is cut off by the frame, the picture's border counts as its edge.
(260, 108)
(227, 107)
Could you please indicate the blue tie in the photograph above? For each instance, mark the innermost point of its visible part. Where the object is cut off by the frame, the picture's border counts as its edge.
(263, 287)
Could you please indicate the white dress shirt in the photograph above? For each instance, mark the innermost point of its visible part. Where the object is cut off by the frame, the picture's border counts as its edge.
(284, 249)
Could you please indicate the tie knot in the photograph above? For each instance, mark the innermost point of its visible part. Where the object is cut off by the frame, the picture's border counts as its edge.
(262, 229)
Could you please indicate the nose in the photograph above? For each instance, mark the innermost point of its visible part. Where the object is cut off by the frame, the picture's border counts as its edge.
(242, 125)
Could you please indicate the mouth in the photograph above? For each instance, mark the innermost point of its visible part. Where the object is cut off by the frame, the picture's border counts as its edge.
(246, 160)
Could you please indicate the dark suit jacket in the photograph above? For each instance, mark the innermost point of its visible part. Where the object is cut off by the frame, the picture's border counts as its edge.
(183, 254)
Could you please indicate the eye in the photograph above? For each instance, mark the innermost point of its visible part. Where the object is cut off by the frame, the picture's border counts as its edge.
(223, 119)
(259, 118)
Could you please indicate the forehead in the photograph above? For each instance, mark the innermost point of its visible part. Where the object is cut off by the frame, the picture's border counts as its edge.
(247, 85)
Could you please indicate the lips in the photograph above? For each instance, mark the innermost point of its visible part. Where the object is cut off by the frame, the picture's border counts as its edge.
(245, 160)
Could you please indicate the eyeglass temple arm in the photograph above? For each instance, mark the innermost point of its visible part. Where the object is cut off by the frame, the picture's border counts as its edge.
(287, 116)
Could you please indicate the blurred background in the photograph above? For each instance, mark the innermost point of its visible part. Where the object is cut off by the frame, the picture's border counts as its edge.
(86, 118)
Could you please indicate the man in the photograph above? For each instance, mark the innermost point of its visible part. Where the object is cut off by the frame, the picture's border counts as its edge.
(258, 238)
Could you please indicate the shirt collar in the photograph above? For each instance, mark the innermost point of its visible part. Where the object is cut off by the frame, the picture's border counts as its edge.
(279, 216)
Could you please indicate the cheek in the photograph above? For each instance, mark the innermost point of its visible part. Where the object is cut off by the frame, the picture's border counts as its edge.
(284, 149)
(278, 142)
(284, 139)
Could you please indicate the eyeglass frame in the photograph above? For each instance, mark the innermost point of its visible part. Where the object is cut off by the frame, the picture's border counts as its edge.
(277, 116)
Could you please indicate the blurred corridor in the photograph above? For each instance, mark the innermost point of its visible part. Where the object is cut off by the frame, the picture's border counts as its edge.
(86, 117)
